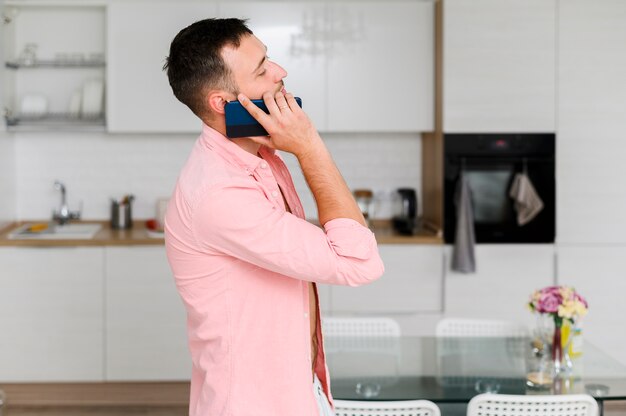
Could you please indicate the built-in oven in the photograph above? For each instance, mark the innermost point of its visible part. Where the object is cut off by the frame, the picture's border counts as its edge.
(490, 163)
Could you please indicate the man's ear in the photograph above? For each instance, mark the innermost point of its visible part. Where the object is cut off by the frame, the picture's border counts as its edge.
(217, 100)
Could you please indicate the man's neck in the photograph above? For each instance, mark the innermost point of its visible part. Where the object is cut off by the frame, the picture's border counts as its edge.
(248, 145)
(244, 142)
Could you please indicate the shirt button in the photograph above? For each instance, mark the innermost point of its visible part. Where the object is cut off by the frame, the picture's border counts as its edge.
(263, 165)
(275, 194)
(306, 315)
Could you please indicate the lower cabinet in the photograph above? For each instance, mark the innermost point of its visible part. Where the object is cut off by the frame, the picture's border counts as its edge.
(597, 273)
(113, 313)
(506, 275)
(51, 315)
(412, 284)
(146, 335)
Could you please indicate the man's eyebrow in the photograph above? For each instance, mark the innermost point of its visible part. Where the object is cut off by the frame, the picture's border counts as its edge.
(262, 60)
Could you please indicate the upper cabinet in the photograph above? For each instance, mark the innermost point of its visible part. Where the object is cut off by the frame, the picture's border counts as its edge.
(380, 66)
(591, 123)
(281, 27)
(499, 65)
(54, 65)
(358, 66)
(138, 40)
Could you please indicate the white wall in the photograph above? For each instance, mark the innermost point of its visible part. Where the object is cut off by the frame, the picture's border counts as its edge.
(96, 167)
(7, 179)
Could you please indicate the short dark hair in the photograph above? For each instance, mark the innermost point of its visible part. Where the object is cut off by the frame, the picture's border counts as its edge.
(195, 63)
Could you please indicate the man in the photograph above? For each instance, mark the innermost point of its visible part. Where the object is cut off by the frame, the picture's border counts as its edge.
(246, 263)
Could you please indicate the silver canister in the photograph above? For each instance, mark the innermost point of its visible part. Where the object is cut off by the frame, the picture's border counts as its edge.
(121, 213)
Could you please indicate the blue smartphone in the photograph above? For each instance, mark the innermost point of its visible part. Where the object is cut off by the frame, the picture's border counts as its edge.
(240, 123)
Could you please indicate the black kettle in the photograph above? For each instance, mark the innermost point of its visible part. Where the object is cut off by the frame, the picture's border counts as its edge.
(405, 219)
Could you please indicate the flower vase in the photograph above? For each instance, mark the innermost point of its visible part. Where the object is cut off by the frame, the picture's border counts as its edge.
(557, 350)
(562, 362)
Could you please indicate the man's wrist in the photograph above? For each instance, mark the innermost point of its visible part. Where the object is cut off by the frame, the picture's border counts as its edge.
(313, 151)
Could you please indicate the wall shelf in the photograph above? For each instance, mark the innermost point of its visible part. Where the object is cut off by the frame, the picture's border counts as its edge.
(56, 64)
(55, 121)
(41, 59)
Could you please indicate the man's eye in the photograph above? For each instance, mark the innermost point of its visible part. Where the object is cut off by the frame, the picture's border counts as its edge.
(262, 73)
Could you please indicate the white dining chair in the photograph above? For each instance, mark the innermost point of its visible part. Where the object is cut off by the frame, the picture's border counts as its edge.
(459, 345)
(389, 408)
(462, 327)
(350, 341)
(520, 405)
(333, 326)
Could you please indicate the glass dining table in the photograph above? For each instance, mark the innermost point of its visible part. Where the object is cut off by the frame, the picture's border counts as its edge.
(453, 370)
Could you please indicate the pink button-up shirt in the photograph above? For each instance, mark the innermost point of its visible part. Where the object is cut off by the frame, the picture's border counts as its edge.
(242, 264)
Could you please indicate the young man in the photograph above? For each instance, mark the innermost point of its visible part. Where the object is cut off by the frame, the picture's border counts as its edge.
(246, 262)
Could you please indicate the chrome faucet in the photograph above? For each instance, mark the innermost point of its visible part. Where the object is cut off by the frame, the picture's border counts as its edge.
(63, 215)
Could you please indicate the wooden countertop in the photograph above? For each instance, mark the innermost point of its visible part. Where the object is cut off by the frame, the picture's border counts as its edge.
(385, 234)
(139, 235)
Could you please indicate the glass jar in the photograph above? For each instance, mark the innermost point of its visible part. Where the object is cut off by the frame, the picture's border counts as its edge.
(363, 199)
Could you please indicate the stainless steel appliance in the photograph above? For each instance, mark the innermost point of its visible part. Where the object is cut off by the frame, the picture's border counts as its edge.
(491, 162)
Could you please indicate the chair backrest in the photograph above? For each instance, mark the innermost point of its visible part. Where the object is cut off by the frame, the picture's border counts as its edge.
(544, 405)
(390, 408)
(459, 327)
(360, 327)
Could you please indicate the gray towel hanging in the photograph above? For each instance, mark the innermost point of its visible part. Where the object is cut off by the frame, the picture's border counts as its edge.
(463, 259)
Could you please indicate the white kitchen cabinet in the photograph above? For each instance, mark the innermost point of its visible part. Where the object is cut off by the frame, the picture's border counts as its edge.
(146, 336)
(506, 275)
(412, 284)
(499, 65)
(591, 198)
(55, 59)
(597, 273)
(381, 66)
(51, 314)
(138, 39)
(358, 66)
(282, 28)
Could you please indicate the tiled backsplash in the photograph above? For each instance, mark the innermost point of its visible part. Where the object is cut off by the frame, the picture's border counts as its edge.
(97, 167)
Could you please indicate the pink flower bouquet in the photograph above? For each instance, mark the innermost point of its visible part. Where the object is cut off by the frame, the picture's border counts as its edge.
(562, 302)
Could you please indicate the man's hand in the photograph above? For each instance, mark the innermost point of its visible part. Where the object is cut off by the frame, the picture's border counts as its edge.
(289, 128)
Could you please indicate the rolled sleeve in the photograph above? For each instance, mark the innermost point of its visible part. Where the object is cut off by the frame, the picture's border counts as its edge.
(350, 239)
(241, 222)
(356, 245)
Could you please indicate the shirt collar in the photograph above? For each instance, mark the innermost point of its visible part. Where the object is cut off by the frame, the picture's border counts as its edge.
(226, 148)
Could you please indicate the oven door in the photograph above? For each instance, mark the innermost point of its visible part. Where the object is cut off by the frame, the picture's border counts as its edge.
(495, 217)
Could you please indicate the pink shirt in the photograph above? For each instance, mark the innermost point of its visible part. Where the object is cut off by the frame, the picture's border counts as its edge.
(241, 264)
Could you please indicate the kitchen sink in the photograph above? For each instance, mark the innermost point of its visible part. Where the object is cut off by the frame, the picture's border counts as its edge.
(51, 231)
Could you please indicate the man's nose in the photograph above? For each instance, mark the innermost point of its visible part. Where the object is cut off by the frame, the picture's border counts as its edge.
(279, 72)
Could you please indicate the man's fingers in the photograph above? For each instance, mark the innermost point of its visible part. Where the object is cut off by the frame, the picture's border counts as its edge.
(281, 102)
(268, 99)
(258, 114)
(293, 104)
